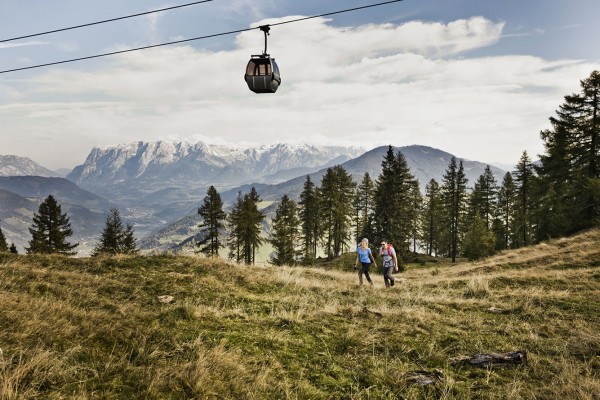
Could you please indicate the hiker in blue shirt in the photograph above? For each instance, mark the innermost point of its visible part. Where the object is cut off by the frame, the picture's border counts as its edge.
(364, 255)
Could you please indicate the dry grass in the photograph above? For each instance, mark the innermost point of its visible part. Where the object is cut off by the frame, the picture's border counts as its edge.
(94, 329)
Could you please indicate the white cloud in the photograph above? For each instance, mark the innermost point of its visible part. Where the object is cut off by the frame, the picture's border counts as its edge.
(9, 45)
(370, 85)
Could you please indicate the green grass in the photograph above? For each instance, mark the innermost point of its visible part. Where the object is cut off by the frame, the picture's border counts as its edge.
(94, 328)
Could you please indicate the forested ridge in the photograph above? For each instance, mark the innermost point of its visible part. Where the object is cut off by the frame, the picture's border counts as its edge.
(453, 218)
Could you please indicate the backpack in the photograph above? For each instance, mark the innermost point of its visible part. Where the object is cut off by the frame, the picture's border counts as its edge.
(389, 252)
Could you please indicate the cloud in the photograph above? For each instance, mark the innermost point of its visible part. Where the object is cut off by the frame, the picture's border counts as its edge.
(370, 85)
(10, 45)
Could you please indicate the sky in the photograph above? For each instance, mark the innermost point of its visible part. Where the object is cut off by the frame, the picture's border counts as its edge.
(476, 78)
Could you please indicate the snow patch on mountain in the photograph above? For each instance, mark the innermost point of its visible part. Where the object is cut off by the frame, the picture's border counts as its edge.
(22, 166)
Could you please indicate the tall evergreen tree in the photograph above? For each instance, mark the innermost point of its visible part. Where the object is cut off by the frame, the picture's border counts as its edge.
(395, 212)
(309, 221)
(524, 205)
(50, 230)
(483, 198)
(416, 205)
(245, 223)
(336, 200)
(213, 218)
(285, 233)
(235, 227)
(478, 242)
(454, 196)
(431, 217)
(503, 224)
(3, 243)
(115, 238)
(570, 169)
(365, 208)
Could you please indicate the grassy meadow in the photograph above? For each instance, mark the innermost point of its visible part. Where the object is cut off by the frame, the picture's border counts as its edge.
(94, 328)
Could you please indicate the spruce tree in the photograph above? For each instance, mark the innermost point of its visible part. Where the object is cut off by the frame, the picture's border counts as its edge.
(503, 225)
(245, 225)
(115, 238)
(570, 169)
(309, 221)
(234, 224)
(483, 198)
(525, 204)
(3, 243)
(213, 221)
(478, 242)
(416, 205)
(365, 208)
(454, 196)
(431, 217)
(336, 200)
(285, 233)
(50, 230)
(395, 212)
(13, 249)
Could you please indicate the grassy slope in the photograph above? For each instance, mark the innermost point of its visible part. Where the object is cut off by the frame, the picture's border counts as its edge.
(87, 329)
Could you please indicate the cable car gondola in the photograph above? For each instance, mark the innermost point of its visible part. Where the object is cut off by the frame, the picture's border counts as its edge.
(262, 73)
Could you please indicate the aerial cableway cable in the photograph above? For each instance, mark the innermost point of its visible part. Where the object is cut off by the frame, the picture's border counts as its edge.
(105, 21)
(201, 37)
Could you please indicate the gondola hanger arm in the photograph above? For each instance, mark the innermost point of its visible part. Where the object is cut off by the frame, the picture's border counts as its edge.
(265, 29)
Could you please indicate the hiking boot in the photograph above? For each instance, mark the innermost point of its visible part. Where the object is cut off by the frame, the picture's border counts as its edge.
(392, 282)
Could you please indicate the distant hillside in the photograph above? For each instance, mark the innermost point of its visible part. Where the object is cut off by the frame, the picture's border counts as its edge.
(62, 189)
(21, 196)
(89, 328)
(424, 162)
(22, 166)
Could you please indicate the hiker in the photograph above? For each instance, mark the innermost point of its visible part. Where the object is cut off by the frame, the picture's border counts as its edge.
(364, 255)
(390, 262)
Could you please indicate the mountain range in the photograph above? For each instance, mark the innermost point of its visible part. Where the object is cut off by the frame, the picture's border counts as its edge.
(22, 166)
(159, 185)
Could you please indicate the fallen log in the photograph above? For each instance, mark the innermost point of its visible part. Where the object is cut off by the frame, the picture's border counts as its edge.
(488, 359)
(423, 378)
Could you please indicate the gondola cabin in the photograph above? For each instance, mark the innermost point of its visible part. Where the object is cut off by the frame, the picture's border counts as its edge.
(262, 74)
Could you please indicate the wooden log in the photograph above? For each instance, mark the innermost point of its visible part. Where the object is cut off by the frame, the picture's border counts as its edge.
(488, 359)
(423, 378)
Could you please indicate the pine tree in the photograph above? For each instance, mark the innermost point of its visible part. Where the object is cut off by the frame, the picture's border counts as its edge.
(13, 249)
(336, 200)
(365, 208)
(503, 223)
(524, 205)
(395, 212)
(431, 217)
(3, 243)
(254, 218)
(245, 223)
(116, 239)
(234, 224)
(570, 169)
(479, 242)
(454, 194)
(483, 198)
(309, 221)
(416, 205)
(50, 230)
(285, 233)
(213, 220)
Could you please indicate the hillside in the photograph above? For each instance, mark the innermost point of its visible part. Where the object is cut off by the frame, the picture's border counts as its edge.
(20, 197)
(94, 328)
